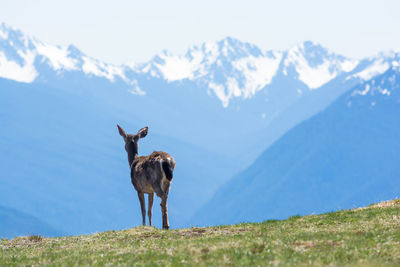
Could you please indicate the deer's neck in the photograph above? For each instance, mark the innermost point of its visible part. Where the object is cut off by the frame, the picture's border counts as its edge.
(132, 153)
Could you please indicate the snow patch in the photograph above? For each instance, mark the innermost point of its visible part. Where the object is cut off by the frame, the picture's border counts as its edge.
(3, 34)
(378, 67)
(13, 71)
(255, 74)
(315, 77)
(385, 92)
(191, 66)
(179, 68)
(364, 92)
(219, 91)
(211, 48)
(258, 72)
(136, 90)
(348, 65)
(57, 56)
(97, 68)
(233, 87)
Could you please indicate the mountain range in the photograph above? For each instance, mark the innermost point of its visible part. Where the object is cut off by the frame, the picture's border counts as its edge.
(216, 109)
(346, 156)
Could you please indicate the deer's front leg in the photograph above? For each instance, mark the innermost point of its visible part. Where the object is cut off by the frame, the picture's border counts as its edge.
(164, 211)
(151, 197)
(142, 206)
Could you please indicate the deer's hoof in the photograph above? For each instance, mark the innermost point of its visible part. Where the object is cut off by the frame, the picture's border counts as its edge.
(165, 227)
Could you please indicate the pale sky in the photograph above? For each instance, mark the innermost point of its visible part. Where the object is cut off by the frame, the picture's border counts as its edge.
(134, 31)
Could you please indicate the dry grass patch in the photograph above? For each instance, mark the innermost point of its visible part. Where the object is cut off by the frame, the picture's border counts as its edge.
(387, 204)
(303, 245)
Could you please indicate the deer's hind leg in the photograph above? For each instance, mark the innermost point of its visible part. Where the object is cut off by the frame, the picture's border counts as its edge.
(164, 211)
(142, 206)
(151, 198)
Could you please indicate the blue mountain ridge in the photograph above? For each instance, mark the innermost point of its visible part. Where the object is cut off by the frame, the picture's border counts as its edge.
(15, 223)
(344, 157)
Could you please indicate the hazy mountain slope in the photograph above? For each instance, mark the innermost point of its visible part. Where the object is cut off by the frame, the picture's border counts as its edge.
(15, 223)
(64, 161)
(346, 156)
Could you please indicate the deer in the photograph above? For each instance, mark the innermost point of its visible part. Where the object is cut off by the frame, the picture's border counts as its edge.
(149, 174)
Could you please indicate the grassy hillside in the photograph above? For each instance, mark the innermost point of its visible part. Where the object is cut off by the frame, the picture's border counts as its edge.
(365, 236)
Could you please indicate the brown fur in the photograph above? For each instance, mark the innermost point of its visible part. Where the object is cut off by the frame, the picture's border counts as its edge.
(147, 173)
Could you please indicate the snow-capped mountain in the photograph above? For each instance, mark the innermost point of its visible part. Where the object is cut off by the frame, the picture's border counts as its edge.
(230, 68)
(226, 69)
(315, 65)
(25, 59)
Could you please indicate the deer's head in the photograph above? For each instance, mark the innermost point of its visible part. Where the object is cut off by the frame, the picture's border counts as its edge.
(131, 141)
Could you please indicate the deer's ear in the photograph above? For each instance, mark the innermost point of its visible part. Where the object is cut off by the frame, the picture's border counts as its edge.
(121, 131)
(143, 132)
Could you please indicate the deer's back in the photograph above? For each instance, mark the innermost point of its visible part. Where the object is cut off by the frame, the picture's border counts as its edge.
(147, 170)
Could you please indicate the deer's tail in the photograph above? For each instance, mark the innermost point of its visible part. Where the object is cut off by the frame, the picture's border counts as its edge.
(168, 167)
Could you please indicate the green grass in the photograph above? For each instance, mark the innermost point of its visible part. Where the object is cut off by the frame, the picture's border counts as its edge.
(363, 237)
